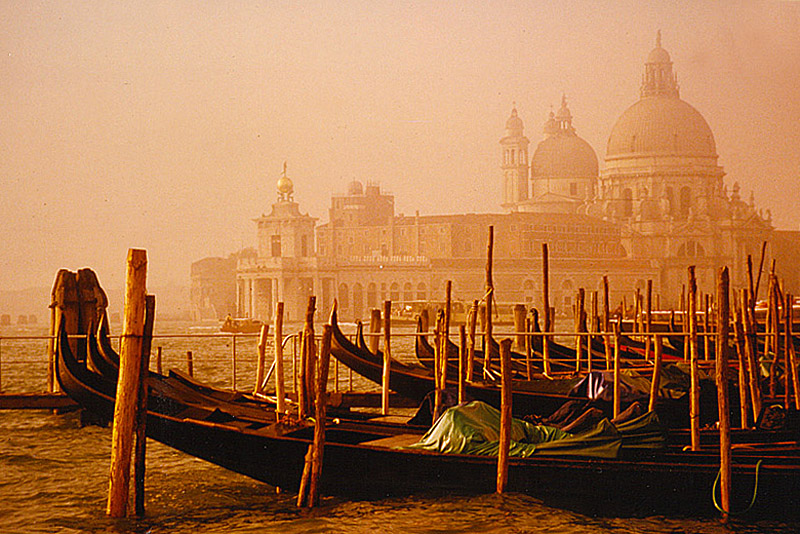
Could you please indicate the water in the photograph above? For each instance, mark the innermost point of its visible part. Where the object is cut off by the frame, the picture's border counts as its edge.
(54, 478)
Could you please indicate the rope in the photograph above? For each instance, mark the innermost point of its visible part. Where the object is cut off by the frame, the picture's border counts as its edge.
(752, 501)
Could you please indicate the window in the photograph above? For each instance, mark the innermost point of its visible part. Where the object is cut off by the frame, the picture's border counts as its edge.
(344, 297)
(276, 246)
(421, 291)
(573, 189)
(304, 245)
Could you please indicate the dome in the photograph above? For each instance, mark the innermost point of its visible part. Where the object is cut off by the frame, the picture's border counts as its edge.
(564, 156)
(355, 188)
(514, 124)
(659, 55)
(661, 125)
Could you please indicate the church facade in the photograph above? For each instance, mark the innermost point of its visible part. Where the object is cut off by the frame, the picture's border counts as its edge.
(658, 204)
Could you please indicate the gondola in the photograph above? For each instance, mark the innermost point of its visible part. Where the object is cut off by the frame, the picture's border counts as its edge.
(639, 481)
(539, 397)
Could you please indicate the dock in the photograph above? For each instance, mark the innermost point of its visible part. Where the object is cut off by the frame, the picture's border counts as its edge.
(36, 401)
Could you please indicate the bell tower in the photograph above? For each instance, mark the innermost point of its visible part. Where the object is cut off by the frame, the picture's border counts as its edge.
(515, 162)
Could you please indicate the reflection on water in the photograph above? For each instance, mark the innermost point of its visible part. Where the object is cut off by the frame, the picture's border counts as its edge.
(53, 478)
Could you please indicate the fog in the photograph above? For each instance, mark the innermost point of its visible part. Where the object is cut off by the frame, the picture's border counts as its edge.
(165, 125)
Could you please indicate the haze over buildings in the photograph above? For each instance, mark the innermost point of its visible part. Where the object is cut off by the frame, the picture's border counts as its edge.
(163, 126)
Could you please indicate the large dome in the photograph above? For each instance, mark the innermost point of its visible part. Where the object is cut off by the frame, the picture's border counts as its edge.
(661, 125)
(564, 156)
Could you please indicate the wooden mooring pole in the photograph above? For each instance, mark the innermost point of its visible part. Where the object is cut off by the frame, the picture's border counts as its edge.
(505, 415)
(487, 343)
(128, 384)
(262, 358)
(280, 387)
(140, 450)
(721, 375)
(321, 415)
(374, 330)
(545, 310)
(387, 356)
(694, 373)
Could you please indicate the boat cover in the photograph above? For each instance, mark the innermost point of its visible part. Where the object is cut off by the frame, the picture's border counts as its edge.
(474, 428)
(674, 384)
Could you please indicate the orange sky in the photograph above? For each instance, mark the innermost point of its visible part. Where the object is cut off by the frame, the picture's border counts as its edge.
(164, 125)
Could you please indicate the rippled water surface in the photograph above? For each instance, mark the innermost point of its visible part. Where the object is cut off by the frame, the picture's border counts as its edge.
(53, 479)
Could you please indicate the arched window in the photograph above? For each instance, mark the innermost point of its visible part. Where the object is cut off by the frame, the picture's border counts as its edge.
(421, 294)
(691, 249)
(408, 292)
(394, 292)
(344, 297)
(372, 295)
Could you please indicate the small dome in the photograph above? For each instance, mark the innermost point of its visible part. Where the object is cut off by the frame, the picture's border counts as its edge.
(514, 124)
(564, 156)
(661, 125)
(659, 55)
(355, 188)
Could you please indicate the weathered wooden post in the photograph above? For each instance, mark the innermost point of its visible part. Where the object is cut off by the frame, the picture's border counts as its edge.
(321, 414)
(462, 364)
(487, 344)
(617, 401)
(743, 374)
(606, 322)
(446, 329)
(721, 375)
(189, 363)
(707, 327)
(140, 449)
(655, 384)
(519, 326)
(261, 362)
(790, 348)
(648, 319)
(472, 319)
(437, 367)
(750, 346)
(546, 310)
(694, 376)
(580, 313)
(374, 330)
(127, 384)
(505, 415)
(310, 360)
(233, 362)
(528, 348)
(280, 387)
(387, 356)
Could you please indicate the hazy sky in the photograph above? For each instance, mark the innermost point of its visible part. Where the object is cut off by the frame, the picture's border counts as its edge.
(164, 125)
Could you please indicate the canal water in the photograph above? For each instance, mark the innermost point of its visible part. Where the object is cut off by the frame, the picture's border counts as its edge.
(53, 477)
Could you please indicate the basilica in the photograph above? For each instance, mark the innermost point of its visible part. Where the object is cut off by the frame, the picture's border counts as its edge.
(657, 204)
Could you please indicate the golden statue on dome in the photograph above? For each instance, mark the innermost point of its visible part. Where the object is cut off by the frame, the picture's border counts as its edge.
(285, 187)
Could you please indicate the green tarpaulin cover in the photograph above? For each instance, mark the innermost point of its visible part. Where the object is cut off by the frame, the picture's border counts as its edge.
(474, 428)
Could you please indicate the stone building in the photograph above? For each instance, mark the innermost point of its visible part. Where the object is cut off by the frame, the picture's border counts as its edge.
(658, 204)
